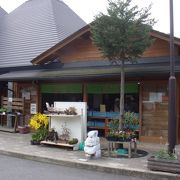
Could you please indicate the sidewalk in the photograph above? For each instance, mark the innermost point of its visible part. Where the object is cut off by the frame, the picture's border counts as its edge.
(18, 145)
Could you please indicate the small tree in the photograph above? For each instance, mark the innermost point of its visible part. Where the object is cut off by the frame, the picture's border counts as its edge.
(122, 35)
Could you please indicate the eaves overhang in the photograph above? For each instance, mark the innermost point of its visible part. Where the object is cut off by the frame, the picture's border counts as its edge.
(89, 72)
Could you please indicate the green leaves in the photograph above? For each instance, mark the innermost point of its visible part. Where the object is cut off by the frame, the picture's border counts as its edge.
(130, 120)
(113, 125)
(40, 134)
(124, 33)
(163, 154)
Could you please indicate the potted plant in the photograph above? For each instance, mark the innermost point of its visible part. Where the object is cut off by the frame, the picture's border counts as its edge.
(113, 129)
(35, 139)
(164, 161)
(73, 141)
(124, 135)
(111, 136)
(130, 121)
(39, 122)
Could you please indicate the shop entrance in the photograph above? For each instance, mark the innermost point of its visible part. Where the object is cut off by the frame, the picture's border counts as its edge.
(102, 100)
(108, 95)
(69, 92)
(103, 104)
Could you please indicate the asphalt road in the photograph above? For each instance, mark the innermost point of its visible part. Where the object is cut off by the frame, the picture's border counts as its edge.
(20, 169)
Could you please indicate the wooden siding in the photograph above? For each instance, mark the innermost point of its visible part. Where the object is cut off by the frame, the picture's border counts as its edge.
(159, 48)
(82, 49)
(177, 109)
(154, 111)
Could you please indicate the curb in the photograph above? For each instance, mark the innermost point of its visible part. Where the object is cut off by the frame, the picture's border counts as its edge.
(146, 174)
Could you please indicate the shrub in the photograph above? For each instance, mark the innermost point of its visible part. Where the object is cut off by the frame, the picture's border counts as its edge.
(39, 122)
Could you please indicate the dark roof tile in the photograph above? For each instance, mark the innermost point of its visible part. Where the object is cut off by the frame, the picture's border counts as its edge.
(33, 28)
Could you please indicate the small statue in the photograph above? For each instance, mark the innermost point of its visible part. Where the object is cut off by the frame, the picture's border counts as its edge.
(92, 145)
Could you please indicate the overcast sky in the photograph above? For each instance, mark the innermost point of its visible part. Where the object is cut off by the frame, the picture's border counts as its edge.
(87, 9)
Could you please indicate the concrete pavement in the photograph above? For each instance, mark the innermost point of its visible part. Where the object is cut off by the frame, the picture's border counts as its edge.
(18, 145)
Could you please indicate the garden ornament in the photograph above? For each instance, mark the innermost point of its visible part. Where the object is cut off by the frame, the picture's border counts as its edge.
(92, 145)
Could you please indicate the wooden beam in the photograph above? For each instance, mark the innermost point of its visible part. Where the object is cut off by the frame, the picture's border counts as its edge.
(163, 36)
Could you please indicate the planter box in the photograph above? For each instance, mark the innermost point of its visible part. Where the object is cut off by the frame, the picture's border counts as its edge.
(23, 129)
(172, 166)
(118, 139)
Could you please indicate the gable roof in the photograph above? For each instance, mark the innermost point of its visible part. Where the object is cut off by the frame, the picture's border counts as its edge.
(158, 34)
(50, 53)
(33, 28)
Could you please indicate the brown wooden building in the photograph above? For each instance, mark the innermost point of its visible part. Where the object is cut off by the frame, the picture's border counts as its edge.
(80, 73)
(75, 70)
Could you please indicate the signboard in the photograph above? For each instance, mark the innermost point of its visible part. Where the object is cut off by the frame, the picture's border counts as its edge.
(33, 108)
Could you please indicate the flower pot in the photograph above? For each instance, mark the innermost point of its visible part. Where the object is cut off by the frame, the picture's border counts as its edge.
(172, 166)
(112, 138)
(121, 139)
(33, 142)
(23, 129)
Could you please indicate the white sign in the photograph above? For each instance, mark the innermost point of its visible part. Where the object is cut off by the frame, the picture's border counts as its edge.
(10, 99)
(155, 96)
(33, 108)
(26, 95)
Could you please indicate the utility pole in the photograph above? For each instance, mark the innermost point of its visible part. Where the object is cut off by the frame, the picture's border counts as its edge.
(172, 88)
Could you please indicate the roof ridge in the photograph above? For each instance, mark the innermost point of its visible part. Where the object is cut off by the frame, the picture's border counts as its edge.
(33, 28)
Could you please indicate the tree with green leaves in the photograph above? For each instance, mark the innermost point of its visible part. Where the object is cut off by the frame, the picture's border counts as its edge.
(123, 34)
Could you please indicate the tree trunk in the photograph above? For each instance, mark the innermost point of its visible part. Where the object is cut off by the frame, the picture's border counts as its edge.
(122, 95)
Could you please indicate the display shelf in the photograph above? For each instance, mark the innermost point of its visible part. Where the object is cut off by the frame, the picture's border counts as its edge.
(62, 115)
(98, 123)
(96, 127)
(76, 124)
(71, 146)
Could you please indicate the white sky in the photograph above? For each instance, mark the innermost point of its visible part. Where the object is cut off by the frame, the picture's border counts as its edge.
(87, 9)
